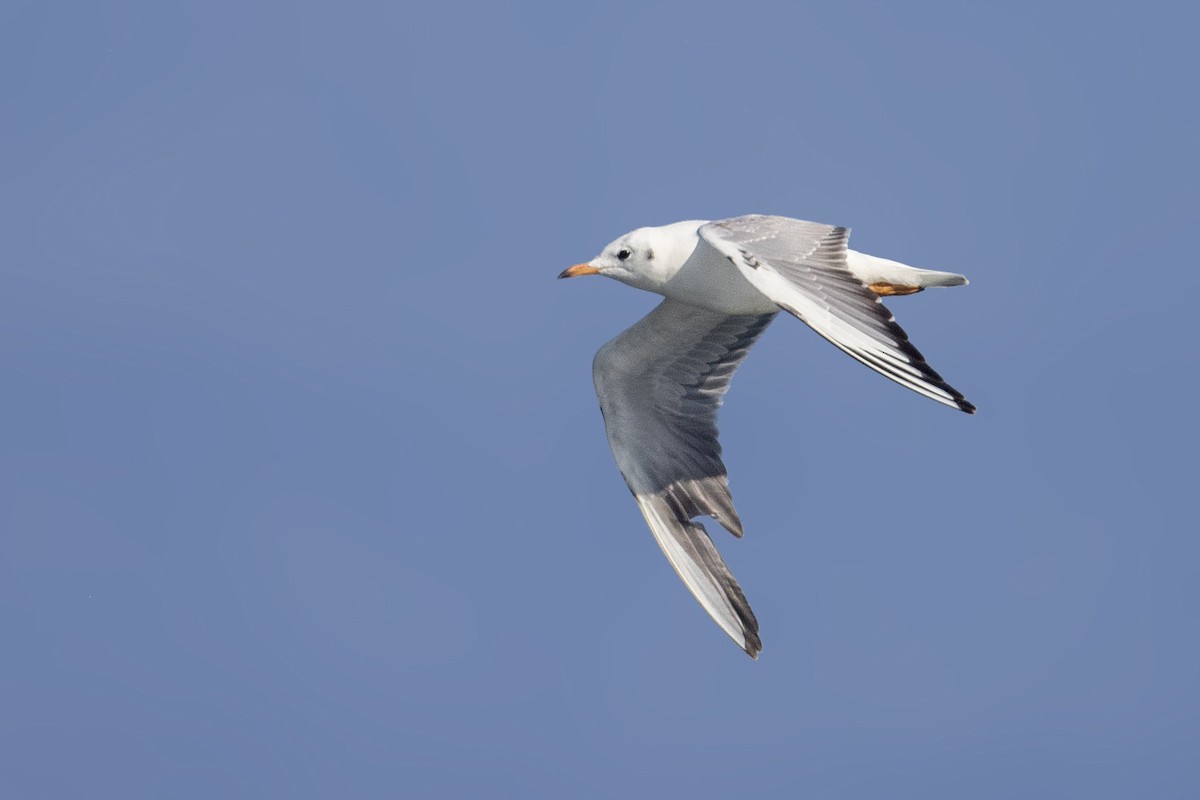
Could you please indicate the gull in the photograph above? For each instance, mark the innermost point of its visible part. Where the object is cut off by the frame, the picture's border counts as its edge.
(661, 382)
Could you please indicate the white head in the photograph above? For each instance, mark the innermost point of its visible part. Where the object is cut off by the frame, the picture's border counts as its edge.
(646, 258)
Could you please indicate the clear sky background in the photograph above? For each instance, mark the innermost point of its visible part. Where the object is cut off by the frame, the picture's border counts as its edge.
(303, 487)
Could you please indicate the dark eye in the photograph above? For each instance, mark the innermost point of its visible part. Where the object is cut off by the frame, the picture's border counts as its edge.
(624, 254)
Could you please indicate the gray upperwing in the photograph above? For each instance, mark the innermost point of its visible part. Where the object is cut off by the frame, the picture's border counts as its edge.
(802, 267)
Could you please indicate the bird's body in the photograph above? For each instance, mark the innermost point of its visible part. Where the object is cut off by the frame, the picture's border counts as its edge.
(684, 268)
(661, 382)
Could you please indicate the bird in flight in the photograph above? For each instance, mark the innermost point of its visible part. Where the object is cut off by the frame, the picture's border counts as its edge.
(661, 382)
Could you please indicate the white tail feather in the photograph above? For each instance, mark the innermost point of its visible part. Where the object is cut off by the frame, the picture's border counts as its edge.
(872, 269)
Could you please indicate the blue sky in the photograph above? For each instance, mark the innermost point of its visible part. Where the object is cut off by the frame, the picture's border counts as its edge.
(303, 487)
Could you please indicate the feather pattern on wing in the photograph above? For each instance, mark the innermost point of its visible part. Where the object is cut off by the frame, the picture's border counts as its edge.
(660, 386)
(802, 267)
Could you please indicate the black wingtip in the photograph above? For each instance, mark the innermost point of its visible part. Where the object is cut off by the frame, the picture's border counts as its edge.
(751, 651)
(963, 405)
(753, 645)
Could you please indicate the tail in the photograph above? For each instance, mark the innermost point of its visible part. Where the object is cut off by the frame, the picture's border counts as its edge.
(886, 277)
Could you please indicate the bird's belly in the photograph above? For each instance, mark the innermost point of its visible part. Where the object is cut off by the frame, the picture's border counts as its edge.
(711, 282)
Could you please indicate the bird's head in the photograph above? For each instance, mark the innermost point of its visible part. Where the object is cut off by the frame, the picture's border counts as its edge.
(645, 259)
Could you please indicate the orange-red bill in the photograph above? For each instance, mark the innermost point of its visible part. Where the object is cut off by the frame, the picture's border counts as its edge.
(577, 270)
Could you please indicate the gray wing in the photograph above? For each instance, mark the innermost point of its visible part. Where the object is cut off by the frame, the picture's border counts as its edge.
(802, 267)
(660, 385)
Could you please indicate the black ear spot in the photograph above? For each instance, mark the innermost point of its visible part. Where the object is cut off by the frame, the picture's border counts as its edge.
(649, 255)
